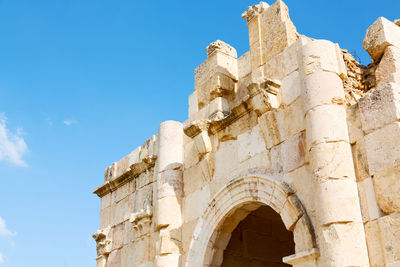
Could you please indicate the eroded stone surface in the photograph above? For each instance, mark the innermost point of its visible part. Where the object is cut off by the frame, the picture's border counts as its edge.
(381, 34)
(294, 137)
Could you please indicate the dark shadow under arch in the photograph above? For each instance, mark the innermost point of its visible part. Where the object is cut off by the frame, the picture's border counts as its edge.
(260, 240)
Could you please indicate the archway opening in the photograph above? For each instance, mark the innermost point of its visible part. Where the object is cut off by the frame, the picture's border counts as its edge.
(260, 239)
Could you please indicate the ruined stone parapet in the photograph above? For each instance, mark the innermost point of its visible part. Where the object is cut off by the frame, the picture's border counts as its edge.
(270, 31)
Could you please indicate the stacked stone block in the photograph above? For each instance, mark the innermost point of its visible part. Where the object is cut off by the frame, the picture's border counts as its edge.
(274, 128)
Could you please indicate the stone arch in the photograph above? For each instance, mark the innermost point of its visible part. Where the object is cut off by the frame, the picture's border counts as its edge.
(235, 201)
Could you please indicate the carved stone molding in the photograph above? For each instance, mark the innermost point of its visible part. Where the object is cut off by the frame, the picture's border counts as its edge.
(133, 171)
(265, 95)
(103, 241)
(141, 220)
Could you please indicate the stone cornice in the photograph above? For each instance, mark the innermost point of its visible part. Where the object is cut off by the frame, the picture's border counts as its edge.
(213, 125)
(134, 170)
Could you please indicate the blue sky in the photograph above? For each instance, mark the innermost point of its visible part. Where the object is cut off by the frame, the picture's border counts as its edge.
(84, 82)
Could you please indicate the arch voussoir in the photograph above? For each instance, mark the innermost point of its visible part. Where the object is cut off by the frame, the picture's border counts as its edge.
(235, 201)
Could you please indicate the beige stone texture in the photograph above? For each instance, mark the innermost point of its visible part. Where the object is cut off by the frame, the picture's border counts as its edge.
(321, 55)
(217, 107)
(383, 148)
(250, 143)
(218, 85)
(170, 141)
(293, 152)
(380, 107)
(390, 234)
(170, 184)
(279, 124)
(381, 34)
(167, 244)
(339, 201)
(168, 260)
(374, 243)
(192, 179)
(342, 239)
(320, 129)
(193, 105)
(105, 201)
(105, 217)
(332, 161)
(369, 207)
(226, 159)
(388, 69)
(290, 154)
(119, 211)
(114, 259)
(218, 62)
(237, 127)
(387, 187)
(203, 142)
(300, 182)
(383, 240)
(290, 88)
(244, 66)
(322, 88)
(190, 154)
(169, 212)
(302, 243)
(195, 203)
(360, 160)
(270, 32)
(282, 64)
(354, 123)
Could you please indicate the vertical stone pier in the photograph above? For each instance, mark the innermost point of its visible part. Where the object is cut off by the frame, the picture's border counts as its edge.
(169, 194)
(340, 230)
(291, 156)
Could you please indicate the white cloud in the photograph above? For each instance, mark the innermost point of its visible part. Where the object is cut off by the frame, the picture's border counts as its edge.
(12, 145)
(3, 229)
(1, 258)
(69, 122)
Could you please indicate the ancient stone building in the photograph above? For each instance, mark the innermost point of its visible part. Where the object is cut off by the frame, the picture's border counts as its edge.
(290, 156)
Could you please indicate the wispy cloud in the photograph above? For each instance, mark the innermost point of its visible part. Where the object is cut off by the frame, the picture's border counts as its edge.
(12, 145)
(69, 122)
(4, 231)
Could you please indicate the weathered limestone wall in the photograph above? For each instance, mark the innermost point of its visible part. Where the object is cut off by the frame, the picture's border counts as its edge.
(295, 124)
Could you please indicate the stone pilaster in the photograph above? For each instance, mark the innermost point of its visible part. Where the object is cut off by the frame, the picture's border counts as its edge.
(169, 194)
(340, 230)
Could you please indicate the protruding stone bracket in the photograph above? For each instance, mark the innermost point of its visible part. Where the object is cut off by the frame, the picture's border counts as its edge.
(254, 10)
(141, 219)
(103, 241)
(304, 258)
(222, 86)
(194, 128)
(265, 95)
(145, 213)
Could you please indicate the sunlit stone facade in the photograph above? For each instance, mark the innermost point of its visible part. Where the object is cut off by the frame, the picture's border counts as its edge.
(290, 156)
